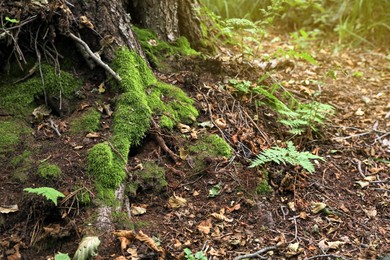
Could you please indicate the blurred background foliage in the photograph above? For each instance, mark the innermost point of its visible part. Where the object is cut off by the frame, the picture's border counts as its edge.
(353, 22)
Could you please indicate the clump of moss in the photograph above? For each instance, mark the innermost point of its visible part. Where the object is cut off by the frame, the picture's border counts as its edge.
(19, 98)
(49, 171)
(156, 49)
(209, 146)
(21, 164)
(151, 177)
(12, 132)
(263, 186)
(89, 121)
(213, 145)
(172, 103)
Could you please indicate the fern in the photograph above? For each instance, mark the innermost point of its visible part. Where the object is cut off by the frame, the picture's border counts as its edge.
(47, 192)
(286, 155)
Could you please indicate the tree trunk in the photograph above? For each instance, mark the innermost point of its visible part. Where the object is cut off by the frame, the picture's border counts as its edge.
(169, 19)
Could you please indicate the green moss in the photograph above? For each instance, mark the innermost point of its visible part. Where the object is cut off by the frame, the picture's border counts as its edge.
(21, 164)
(19, 98)
(49, 171)
(151, 177)
(208, 146)
(213, 145)
(157, 50)
(263, 187)
(12, 133)
(89, 121)
(173, 103)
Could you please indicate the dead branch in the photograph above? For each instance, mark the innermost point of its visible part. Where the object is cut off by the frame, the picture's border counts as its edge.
(257, 253)
(161, 142)
(94, 57)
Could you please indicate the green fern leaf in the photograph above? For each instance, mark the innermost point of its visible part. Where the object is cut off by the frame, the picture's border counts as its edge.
(47, 192)
(286, 155)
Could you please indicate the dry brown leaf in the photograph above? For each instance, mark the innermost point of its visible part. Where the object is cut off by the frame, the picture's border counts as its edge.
(221, 217)
(176, 202)
(220, 122)
(86, 22)
(184, 129)
(93, 135)
(363, 184)
(234, 208)
(124, 233)
(136, 210)
(141, 236)
(183, 153)
(124, 243)
(9, 209)
(205, 226)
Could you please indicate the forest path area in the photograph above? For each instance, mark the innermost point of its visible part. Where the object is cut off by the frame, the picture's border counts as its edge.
(223, 208)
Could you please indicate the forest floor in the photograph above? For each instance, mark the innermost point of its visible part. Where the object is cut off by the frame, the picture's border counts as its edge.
(341, 211)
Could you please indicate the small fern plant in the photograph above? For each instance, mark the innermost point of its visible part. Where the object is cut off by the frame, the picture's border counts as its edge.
(49, 193)
(286, 155)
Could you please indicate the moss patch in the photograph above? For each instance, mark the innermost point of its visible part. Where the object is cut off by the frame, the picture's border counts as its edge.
(19, 98)
(142, 95)
(156, 49)
(89, 121)
(263, 186)
(49, 171)
(151, 177)
(208, 146)
(21, 164)
(174, 105)
(11, 133)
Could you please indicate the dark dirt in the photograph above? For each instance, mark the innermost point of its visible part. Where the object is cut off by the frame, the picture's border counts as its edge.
(355, 224)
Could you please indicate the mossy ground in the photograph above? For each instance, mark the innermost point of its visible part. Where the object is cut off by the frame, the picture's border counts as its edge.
(89, 121)
(20, 99)
(208, 146)
(157, 50)
(49, 171)
(141, 97)
(151, 177)
(12, 132)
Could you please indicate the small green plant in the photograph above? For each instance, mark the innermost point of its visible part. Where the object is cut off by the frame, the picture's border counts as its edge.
(49, 171)
(61, 256)
(286, 155)
(191, 256)
(47, 192)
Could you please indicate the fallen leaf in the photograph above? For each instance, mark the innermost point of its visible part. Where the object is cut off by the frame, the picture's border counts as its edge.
(294, 247)
(205, 226)
(317, 207)
(102, 88)
(183, 153)
(359, 112)
(363, 183)
(136, 210)
(93, 135)
(371, 213)
(220, 122)
(221, 217)
(215, 190)
(234, 208)
(184, 129)
(176, 202)
(8, 209)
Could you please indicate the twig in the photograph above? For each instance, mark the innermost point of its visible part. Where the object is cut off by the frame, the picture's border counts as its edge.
(54, 127)
(256, 254)
(327, 255)
(95, 57)
(161, 142)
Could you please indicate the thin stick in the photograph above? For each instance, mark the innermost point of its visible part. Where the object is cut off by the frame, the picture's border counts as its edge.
(95, 57)
(327, 255)
(256, 254)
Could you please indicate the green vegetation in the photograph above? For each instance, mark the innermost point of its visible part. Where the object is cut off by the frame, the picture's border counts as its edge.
(208, 146)
(49, 193)
(352, 21)
(19, 99)
(287, 155)
(12, 133)
(300, 118)
(191, 256)
(151, 177)
(21, 165)
(156, 49)
(49, 171)
(88, 122)
(131, 120)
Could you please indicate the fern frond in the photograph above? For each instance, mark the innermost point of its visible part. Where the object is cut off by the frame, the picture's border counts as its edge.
(47, 192)
(286, 155)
